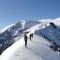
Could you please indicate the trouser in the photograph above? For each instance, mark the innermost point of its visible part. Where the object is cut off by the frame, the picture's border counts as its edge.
(25, 43)
(30, 38)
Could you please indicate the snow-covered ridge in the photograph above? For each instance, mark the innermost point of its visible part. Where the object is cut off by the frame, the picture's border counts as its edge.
(38, 48)
(26, 24)
(57, 21)
(50, 32)
(23, 24)
(8, 27)
(11, 33)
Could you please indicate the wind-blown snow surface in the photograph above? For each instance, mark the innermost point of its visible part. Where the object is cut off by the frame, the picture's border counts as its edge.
(38, 48)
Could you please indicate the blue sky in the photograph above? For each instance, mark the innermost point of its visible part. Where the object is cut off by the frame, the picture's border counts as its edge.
(12, 11)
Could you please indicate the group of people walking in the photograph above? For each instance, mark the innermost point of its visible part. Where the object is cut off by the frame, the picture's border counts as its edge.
(25, 38)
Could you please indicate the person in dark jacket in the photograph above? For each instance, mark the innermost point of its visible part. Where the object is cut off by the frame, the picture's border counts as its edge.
(25, 38)
(31, 36)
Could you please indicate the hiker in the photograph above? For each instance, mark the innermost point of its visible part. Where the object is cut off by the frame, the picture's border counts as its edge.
(31, 36)
(25, 38)
(45, 25)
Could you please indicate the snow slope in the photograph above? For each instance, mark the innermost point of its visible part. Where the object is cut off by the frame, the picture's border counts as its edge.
(38, 48)
(51, 33)
(57, 21)
(13, 32)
